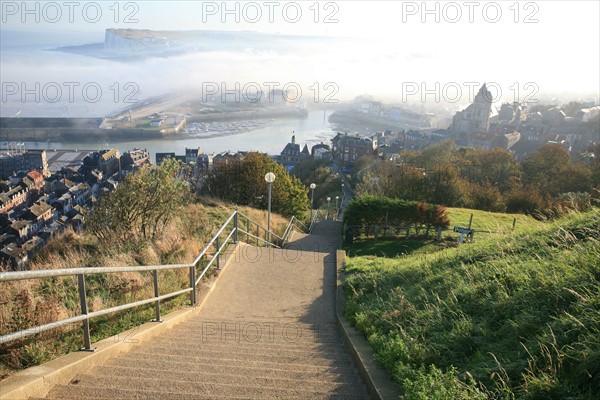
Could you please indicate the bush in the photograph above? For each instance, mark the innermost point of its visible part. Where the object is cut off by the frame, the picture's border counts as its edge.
(526, 201)
(142, 205)
(486, 198)
(380, 210)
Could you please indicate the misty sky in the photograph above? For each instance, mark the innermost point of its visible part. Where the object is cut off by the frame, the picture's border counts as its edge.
(541, 48)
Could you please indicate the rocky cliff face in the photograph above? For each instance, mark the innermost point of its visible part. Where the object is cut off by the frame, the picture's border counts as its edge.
(130, 40)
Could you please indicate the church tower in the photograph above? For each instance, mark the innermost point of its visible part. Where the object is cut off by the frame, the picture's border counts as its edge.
(476, 116)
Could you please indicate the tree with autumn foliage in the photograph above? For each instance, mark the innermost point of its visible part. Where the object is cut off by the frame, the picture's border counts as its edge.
(242, 181)
(142, 205)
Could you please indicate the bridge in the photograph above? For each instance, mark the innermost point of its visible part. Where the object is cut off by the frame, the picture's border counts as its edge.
(267, 328)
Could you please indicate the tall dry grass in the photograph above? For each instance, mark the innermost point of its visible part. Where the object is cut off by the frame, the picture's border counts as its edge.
(25, 304)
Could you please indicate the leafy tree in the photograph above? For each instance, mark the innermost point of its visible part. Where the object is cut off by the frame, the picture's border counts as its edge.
(242, 181)
(447, 186)
(441, 153)
(486, 197)
(594, 166)
(318, 172)
(573, 178)
(542, 167)
(142, 205)
(500, 169)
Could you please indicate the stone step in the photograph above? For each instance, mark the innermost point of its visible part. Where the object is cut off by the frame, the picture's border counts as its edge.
(299, 365)
(337, 385)
(185, 382)
(242, 340)
(325, 349)
(176, 390)
(340, 374)
(235, 335)
(277, 323)
(313, 358)
(254, 329)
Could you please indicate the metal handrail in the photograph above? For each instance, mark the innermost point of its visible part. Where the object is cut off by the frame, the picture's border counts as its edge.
(288, 230)
(50, 273)
(85, 316)
(316, 215)
(256, 223)
(258, 238)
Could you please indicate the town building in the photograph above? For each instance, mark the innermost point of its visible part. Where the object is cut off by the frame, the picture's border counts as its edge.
(135, 158)
(109, 161)
(12, 162)
(476, 117)
(292, 155)
(349, 148)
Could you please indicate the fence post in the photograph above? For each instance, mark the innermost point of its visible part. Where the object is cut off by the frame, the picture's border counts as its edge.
(470, 221)
(257, 234)
(84, 311)
(235, 226)
(514, 223)
(157, 304)
(217, 254)
(193, 285)
(247, 231)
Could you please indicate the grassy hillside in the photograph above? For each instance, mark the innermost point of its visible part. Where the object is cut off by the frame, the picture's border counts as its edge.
(514, 316)
(486, 224)
(25, 304)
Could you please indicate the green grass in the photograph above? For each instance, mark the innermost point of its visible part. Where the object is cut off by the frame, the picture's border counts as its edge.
(487, 225)
(393, 248)
(490, 221)
(515, 316)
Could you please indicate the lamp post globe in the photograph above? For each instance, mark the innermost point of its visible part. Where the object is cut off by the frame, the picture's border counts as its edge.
(270, 178)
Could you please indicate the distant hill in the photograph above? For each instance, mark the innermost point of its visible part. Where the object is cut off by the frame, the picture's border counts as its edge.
(133, 44)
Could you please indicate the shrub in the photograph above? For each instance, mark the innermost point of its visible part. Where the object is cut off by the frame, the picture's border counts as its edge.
(526, 201)
(487, 198)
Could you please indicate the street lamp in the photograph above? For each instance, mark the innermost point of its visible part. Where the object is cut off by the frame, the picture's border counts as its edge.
(328, 202)
(270, 178)
(336, 205)
(312, 200)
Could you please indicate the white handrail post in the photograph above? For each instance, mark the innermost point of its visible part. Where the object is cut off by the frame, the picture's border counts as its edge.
(235, 227)
(84, 311)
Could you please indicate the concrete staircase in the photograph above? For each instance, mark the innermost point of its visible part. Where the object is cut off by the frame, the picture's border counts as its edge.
(267, 331)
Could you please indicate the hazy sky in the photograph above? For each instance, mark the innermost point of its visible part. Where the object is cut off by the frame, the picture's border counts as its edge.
(397, 48)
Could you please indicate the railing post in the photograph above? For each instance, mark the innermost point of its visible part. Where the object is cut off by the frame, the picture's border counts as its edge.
(235, 226)
(217, 254)
(157, 304)
(193, 285)
(84, 311)
(257, 234)
(247, 231)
